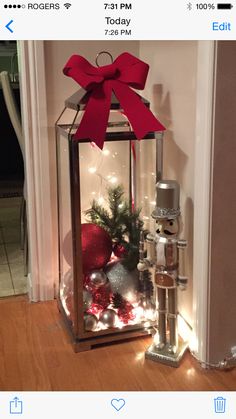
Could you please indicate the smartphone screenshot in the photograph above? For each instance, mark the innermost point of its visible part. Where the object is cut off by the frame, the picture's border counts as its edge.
(117, 209)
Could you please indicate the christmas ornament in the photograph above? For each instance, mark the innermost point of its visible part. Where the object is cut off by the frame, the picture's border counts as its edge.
(68, 301)
(108, 317)
(123, 281)
(90, 322)
(97, 278)
(86, 281)
(96, 247)
(119, 250)
(67, 248)
(126, 313)
(125, 71)
(95, 309)
(66, 285)
(102, 296)
(87, 299)
(124, 308)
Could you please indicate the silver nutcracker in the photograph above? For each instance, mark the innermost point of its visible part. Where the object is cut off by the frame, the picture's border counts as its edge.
(166, 255)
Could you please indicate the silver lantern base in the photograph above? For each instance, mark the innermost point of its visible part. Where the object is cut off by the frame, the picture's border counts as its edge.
(164, 356)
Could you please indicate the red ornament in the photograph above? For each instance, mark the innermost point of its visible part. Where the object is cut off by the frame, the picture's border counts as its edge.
(125, 313)
(119, 250)
(95, 309)
(86, 281)
(96, 247)
(102, 296)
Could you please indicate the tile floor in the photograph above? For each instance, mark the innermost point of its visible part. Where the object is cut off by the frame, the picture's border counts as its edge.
(12, 279)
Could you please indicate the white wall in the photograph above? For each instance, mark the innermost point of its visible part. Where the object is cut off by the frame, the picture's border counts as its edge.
(171, 88)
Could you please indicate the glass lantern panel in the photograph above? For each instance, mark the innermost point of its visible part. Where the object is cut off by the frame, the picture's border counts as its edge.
(146, 180)
(102, 169)
(65, 236)
(113, 294)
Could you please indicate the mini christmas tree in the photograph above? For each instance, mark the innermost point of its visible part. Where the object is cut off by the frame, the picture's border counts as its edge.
(122, 222)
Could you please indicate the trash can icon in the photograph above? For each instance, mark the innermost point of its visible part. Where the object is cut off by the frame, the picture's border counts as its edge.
(220, 404)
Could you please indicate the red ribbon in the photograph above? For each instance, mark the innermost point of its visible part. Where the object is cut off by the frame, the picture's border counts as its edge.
(125, 72)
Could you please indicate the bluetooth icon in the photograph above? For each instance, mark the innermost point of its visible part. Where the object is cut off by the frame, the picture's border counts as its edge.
(189, 6)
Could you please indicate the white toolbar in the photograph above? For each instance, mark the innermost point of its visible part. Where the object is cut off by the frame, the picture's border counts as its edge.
(132, 20)
(109, 405)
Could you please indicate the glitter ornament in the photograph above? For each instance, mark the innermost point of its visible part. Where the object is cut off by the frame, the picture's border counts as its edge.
(108, 318)
(126, 313)
(97, 278)
(87, 299)
(102, 296)
(123, 281)
(95, 309)
(96, 247)
(90, 322)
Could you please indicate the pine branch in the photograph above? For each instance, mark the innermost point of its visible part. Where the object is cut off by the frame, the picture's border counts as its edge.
(98, 215)
(118, 301)
(122, 223)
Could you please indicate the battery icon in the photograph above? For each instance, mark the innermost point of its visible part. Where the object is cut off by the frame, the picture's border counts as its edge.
(224, 6)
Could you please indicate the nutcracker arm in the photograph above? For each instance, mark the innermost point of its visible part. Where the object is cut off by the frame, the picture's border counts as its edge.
(182, 279)
(146, 263)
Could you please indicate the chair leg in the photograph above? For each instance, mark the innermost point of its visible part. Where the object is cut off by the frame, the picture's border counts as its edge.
(25, 249)
(22, 222)
(24, 235)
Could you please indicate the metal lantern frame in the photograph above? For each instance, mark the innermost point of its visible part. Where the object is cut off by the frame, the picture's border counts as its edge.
(84, 340)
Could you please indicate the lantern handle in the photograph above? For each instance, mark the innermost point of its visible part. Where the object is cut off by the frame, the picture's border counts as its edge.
(103, 52)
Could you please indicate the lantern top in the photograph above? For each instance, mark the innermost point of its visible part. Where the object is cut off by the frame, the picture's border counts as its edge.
(79, 100)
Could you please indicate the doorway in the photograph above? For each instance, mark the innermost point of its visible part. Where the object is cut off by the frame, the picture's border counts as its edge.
(12, 279)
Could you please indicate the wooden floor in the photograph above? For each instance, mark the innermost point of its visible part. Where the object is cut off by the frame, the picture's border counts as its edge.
(35, 354)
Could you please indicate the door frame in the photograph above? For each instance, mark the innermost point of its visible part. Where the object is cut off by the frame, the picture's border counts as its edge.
(42, 276)
(203, 179)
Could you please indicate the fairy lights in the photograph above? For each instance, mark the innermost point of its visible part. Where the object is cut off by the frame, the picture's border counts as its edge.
(140, 315)
(92, 170)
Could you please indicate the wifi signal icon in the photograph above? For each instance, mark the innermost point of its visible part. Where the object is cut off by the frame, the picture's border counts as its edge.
(67, 5)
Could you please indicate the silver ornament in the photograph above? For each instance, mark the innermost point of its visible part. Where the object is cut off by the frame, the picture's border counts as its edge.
(90, 322)
(97, 278)
(108, 317)
(66, 284)
(87, 299)
(123, 281)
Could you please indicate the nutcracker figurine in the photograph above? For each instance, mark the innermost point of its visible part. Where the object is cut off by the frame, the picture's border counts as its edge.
(166, 256)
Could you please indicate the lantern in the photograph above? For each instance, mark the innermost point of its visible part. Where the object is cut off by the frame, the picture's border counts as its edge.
(104, 197)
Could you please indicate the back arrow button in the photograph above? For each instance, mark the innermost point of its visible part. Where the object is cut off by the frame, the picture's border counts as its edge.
(8, 26)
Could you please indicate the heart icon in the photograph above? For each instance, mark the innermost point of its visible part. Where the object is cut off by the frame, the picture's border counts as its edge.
(118, 404)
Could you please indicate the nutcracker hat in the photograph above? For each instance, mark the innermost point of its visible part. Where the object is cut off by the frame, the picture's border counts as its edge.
(167, 200)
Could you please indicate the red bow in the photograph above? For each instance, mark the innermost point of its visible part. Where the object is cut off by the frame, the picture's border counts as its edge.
(126, 71)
